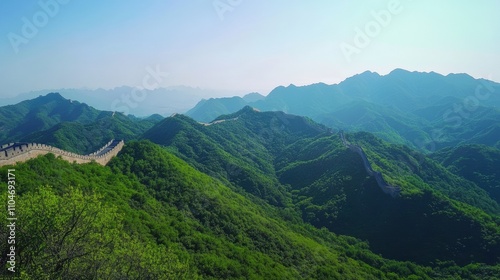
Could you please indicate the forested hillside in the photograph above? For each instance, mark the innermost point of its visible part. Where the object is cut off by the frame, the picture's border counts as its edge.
(290, 161)
(477, 163)
(68, 125)
(85, 138)
(149, 215)
(42, 113)
(251, 195)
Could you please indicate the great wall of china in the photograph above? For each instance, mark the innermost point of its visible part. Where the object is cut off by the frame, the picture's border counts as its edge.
(19, 152)
(384, 186)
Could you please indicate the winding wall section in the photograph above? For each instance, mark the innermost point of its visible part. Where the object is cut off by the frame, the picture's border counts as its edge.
(384, 186)
(13, 153)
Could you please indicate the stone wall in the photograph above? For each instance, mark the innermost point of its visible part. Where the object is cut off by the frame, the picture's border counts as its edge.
(384, 186)
(19, 152)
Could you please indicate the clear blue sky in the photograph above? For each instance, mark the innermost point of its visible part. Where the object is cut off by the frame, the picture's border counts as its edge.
(248, 45)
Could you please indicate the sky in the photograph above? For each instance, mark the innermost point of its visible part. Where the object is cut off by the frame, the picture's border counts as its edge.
(239, 45)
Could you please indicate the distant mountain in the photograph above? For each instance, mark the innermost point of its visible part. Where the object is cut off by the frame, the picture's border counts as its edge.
(19, 120)
(207, 110)
(426, 111)
(164, 101)
(85, 138)
(291, 161)
(67, 124)
(253, 97)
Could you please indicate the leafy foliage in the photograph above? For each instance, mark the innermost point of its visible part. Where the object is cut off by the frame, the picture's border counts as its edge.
(41, 113)
(86, 138)
(476, 163)
(151, 216)
(327, 186)
(66, 124)
(413, 170)
(333, 191)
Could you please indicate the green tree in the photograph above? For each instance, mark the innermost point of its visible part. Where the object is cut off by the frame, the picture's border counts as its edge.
(77, 236)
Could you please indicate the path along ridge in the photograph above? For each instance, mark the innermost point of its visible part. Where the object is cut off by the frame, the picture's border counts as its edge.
(384, 186)
(13, 153)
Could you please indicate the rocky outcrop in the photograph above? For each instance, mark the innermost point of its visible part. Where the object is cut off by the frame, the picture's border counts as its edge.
(384, 186)
(13, 153)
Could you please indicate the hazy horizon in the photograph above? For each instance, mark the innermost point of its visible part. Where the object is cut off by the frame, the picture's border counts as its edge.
(238, 46)
(221, 93)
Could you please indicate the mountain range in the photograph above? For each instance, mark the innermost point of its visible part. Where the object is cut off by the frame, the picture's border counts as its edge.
(286, 191)
(129, 100)
(425, 111)
(67, 124)
(307, 166)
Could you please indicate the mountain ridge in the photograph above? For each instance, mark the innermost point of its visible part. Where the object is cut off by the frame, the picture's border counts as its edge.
(13, 153)
(427, 102)
(67, 124)
(256, 194)
(303, 168)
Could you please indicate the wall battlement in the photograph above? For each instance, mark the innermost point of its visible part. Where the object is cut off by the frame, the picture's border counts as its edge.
(384, 186)
(19, 152)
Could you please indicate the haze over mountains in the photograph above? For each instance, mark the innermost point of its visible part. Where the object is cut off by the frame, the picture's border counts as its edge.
(269, 190)
(426, 111)
(130, 100)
